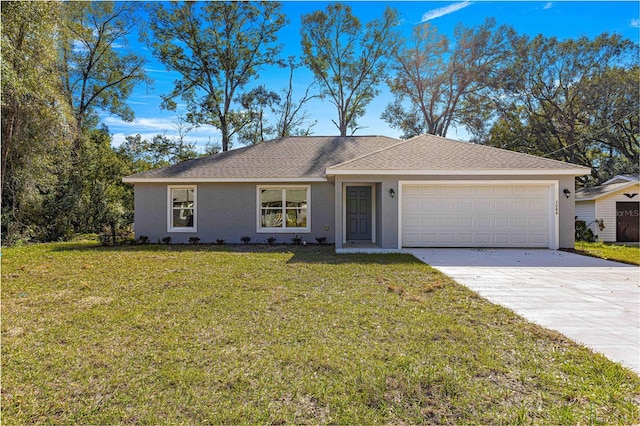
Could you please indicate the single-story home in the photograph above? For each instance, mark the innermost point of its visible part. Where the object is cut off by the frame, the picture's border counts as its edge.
(615, 204)
(362, 193)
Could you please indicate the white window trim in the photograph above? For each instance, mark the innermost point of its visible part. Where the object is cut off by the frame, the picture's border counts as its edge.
(261, 230)
(170, 227)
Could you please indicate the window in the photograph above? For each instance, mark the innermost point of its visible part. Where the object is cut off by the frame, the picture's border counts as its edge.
(182, 209)
(284, 209)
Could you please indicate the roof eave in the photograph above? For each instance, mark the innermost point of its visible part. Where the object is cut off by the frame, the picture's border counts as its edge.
(604, 194)
(133, 179)
(578, 171)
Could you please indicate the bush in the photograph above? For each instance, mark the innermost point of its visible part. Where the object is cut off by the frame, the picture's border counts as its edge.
(321, 240)
(220, 242)
(297, 240)
(245, 239)
(166, 240)
(105, 239)
(143, 239)
(194, 240)
(584, 233)
(271, 241)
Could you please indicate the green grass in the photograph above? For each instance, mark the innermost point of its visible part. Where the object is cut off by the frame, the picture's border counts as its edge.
(619, 253)
(274, 335)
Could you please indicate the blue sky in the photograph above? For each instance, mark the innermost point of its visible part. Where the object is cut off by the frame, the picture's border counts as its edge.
(563, 19)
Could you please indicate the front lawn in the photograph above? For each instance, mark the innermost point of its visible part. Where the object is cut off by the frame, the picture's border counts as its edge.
(619, 253)
(274, 335)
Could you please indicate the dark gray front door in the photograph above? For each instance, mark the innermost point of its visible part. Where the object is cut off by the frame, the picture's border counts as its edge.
(627, 222)
(359, 213)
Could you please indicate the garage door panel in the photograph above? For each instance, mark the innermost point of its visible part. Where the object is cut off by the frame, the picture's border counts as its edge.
(469, 215)
(466, 190)
(483, 206)
(483, 239)
(465, 206)
(538, 239)
(482, 190)
(448, 206)
(430, 206)
(536, 206)
(501, 238)
(500, 206)
(447, 222)
(465, 238)
(540, 222)
(501, 222)
(520, 238)
(465, 222)
(520, 222)
(502, 191)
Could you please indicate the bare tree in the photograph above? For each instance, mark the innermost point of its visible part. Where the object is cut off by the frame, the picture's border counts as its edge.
(436, 85)
(348, 61)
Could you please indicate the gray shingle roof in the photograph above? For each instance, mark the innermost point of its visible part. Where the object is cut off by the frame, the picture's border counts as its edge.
(594, 192)
(311, 156)
(435, 153)
(292, 157)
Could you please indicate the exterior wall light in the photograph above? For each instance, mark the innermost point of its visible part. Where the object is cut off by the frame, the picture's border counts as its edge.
(567, 193)
(392, 192)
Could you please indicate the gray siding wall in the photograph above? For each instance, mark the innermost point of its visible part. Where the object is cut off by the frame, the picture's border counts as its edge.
(227, 211)
(387, 213)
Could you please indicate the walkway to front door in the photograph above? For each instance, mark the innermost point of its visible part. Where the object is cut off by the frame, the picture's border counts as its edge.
(358, 213)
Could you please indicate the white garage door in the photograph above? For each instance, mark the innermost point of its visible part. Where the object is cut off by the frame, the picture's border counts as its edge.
(476, 215)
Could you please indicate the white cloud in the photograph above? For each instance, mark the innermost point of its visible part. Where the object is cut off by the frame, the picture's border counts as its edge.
(148, 128)
(442, 11)
(635, 23)
(201, 138)
(549, 5)
(141, 124)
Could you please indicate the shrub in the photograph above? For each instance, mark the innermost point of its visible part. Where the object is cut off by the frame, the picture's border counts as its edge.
(271, 241)
(194, 240)
(143, 239)
(105, 239)
(321, 240)
(245, 239)
(297, 240)
(166, 240)
(220, 241)
(584, 233)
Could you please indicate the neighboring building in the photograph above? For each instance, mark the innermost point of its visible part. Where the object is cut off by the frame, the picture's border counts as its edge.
(616, 204)
(365, 193)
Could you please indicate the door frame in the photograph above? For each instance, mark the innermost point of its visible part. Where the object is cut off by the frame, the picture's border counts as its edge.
(345, 185)
(554, 201)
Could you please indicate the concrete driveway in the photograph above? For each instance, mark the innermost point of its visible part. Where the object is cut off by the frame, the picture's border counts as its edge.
(592, 301)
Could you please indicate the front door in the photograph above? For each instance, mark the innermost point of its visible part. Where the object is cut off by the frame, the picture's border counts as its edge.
(627, 225)
(359, 213)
